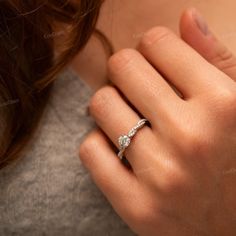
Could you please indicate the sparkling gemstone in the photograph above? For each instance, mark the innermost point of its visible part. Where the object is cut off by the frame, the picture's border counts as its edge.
(124, 141)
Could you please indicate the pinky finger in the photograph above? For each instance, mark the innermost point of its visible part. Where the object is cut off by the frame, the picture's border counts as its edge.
(117, 183)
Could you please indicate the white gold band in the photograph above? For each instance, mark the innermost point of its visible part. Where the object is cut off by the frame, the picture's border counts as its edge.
(125, 140)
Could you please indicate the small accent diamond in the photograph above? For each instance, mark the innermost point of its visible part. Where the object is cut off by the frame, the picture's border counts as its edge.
(124, 141)
(132, 132)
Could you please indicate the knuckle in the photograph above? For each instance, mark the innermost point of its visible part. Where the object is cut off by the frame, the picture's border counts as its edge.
(174, 181)
(83, 150)
(195, 133)
(154, 36)
(121, 60)
(225, 102)
(228, 97)
(86, 150)
(100, 100)
(196, 141)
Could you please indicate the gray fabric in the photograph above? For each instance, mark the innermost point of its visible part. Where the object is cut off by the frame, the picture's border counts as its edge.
(49, 192)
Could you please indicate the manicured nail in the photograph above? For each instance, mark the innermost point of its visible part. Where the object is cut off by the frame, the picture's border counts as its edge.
(201, 23)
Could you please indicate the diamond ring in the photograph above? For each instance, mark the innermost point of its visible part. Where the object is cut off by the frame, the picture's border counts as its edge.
(125, 140)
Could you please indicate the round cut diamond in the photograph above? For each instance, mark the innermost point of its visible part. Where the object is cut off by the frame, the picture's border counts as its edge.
(124, 141)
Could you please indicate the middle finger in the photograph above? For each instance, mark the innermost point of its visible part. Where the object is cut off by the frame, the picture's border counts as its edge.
(143, 86)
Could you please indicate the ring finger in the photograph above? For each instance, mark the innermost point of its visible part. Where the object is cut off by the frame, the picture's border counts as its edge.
(115, 118)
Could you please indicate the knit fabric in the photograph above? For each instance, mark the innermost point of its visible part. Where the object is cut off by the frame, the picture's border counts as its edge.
(48, 191)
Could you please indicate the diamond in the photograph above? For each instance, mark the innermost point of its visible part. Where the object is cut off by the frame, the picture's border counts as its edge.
(124, 141)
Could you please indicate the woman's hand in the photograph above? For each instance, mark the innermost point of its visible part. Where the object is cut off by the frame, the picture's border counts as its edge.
(183, 173)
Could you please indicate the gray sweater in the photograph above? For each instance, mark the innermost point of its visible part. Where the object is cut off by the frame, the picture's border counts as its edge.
(49, 192)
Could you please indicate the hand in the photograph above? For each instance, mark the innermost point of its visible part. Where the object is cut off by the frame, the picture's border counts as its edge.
(183, 173)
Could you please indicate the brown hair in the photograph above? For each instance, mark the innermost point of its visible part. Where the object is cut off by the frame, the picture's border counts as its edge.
(29, 65)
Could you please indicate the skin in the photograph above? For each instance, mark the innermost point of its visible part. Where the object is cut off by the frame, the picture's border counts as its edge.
(183, 175)
(124, 22)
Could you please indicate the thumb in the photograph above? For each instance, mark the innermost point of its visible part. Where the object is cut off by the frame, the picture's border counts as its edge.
(196, 33)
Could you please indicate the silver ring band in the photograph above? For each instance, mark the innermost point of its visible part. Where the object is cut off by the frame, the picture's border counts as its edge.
(125, 140)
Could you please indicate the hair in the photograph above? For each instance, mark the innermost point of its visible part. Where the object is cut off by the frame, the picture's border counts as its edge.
(29, 64)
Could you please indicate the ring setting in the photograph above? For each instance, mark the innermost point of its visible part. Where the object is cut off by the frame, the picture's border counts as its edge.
(125, 140)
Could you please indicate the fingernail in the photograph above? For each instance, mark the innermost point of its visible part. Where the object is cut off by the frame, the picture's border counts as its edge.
(201, 23)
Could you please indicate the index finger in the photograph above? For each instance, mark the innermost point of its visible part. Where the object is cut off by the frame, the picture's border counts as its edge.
(180, 64)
